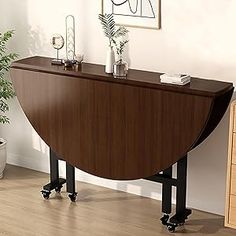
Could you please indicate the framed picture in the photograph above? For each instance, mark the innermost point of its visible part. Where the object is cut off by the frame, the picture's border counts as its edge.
(134, 13)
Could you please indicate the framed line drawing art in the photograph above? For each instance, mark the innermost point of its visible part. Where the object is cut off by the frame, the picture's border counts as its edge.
(134, 13)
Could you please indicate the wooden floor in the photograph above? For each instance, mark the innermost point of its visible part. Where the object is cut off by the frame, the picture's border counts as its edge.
(98, 211)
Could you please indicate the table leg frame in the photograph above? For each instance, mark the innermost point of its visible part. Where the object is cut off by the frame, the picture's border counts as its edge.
(57, 183)
(180, 183)
(165, 178)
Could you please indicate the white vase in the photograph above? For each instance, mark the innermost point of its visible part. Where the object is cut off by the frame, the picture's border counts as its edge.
(3, 156)
(110, 60)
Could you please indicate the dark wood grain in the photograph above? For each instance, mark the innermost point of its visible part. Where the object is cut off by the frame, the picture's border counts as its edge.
(135, 77)
(117, 129)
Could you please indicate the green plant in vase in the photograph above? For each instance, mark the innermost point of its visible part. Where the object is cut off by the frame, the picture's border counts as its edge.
(6, 90)
(120, 66)
(113, 33)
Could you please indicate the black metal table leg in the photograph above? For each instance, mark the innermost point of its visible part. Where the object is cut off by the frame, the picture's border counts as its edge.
(55, 182)
(182, 186)
(54, 166)
(70, 182)
(166, 196)
(180, 183)
(167, 192)
(182, 212)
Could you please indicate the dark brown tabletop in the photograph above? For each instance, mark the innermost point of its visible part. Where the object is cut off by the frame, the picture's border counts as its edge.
(199, 86)
(117, 128)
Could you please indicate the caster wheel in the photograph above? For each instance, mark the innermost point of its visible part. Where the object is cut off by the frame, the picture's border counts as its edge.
(45, 194)
(58, 189)
(73, 197)
(171, 228)
(165, 219)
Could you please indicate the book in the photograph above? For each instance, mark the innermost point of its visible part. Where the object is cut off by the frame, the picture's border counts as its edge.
(178, 79)
(175, 82)
(175, 77)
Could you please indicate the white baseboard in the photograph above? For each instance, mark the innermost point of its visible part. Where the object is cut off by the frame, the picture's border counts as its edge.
(34, 163)
(137, 187)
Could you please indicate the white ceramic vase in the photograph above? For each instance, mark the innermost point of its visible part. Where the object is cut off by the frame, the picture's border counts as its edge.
(3, 156)
(110, 60)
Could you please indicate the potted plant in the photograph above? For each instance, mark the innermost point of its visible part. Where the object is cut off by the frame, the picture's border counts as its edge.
(112, 33)
(6, 91)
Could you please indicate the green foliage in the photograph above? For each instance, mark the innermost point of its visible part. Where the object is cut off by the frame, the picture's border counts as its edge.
(6, 88)
(120, 47)
(110, 29)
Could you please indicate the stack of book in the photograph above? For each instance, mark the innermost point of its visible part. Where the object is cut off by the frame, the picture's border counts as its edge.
(178, 79)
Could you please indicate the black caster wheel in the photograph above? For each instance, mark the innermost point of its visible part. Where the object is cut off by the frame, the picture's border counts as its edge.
(165, 219)
(73, 197)
(58, 189)
(171, 228)
(45, 194)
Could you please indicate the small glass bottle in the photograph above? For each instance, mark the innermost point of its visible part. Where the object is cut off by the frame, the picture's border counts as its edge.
(120, 69)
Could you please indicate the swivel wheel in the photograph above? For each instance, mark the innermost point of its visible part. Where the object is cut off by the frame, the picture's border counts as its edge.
(73, 197)
(58, 189)
(45, 194)
(165, 219)
(171, 228)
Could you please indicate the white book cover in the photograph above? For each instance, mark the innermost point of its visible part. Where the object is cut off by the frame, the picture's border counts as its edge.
(176, 82)
(175, 77)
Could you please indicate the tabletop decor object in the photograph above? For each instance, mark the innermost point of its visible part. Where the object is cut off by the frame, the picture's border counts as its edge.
(70, 41)
(110, 60)
(58, 43)
(6, 91)
(113, 33)
(72, 59)
(79, 58)
(134, 13)
(120, 66)
(177, 79)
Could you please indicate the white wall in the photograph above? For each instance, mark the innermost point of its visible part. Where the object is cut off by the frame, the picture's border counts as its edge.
(197, 37)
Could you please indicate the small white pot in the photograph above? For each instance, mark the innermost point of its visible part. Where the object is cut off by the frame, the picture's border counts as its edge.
(110, 60)
(3, 156)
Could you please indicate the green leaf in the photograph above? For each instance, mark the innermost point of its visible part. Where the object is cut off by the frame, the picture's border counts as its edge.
(4, 119)
(120, 47)
(121, 31)
(3, 106)
(108, 25)
(6, 88)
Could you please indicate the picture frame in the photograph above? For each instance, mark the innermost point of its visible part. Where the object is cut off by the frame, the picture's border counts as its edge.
(134, 13)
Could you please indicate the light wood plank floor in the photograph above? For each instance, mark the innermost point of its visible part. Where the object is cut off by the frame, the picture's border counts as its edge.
(98, 211)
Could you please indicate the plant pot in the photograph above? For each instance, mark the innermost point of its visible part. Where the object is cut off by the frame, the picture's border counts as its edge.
(3, 156)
